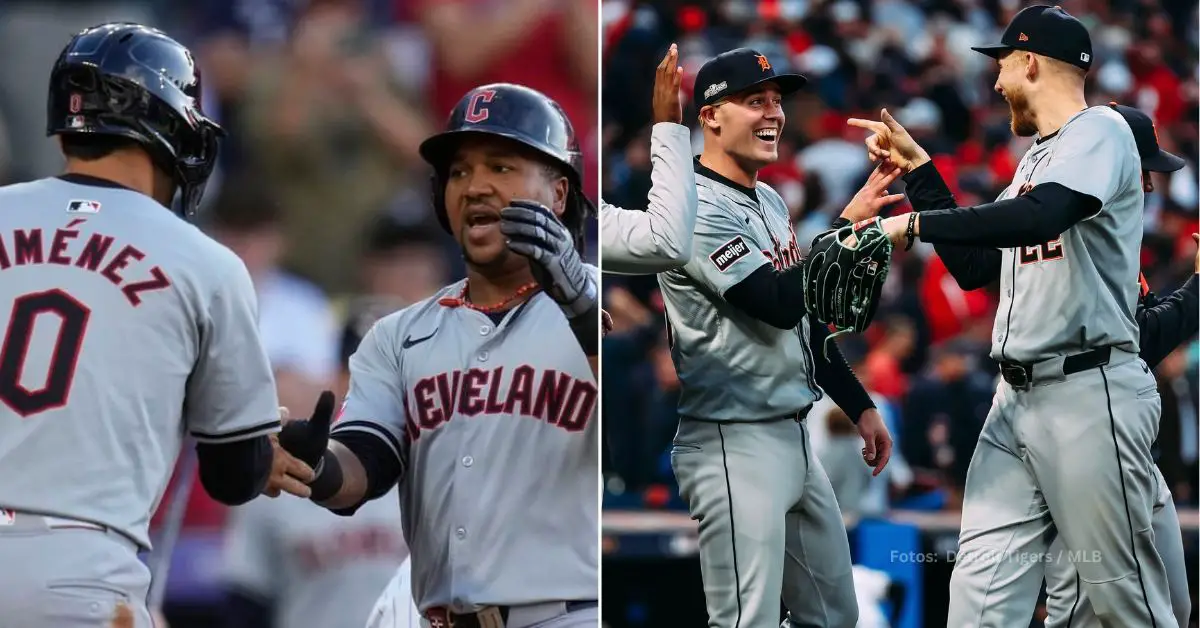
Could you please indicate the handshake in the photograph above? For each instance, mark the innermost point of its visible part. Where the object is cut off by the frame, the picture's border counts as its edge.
(299, 450)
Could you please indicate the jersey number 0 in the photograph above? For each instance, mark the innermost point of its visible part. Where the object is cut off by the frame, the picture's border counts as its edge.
(73, 319)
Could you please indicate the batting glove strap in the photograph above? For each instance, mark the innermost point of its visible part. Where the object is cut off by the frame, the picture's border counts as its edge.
(328, 479)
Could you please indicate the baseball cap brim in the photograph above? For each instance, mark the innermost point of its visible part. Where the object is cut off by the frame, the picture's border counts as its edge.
(1163, 162)
(994, 51)
(787, 84)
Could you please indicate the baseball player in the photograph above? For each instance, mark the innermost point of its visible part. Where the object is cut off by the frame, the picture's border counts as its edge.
(1066, 444)
(284, 559)
(480, 401)
(770, 527)
(126, 328)
(1163, 325)
(660, 238)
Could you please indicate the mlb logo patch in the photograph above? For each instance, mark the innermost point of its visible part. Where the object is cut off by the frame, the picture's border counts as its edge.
(83, 207)
(7, 517)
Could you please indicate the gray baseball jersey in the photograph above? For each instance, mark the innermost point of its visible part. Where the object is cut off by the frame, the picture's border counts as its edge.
(733, 367)
(660, 238)
(494, 422)
(125, 325)
(1078, 291)
(300, 556)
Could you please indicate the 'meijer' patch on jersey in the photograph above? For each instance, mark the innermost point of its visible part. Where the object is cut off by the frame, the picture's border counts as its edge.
(553, 397)
(728, 253)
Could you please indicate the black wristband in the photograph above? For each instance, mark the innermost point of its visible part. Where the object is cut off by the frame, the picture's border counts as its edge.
(586, 328)
(912, 224)
(328, 481)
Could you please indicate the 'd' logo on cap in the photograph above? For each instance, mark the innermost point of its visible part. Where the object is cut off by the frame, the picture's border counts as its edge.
(1022, 37)
(763, 64)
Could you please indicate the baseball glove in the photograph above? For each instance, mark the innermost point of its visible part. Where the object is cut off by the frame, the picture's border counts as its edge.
(842, 282)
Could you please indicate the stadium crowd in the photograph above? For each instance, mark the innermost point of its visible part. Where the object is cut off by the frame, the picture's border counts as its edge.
(925, 358)
(320, 190)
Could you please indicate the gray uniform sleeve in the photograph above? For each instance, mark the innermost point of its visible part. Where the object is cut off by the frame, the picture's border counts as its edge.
(250, 557)
(723, 253)
(231, 393)
(660, 238)
(1092, 157)
(375, 400)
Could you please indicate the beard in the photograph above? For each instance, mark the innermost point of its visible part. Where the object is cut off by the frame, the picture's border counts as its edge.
(1023, 124)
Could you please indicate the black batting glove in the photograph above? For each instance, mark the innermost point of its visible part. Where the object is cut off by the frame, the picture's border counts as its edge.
(536, 233)
(307, 439)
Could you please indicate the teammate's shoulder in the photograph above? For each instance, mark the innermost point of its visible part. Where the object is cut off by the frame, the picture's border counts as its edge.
(1100, 118)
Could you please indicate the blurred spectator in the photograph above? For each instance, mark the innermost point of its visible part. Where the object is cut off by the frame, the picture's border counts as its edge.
(548, 45)
(944, 412)
(328, 131)
(884, 363)
(403, 262)
(298, 327)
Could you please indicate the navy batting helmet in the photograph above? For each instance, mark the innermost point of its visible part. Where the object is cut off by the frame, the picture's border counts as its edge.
(128, 80)
(525, 116)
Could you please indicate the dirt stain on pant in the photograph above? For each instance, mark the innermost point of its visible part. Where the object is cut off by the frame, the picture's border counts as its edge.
(123, 617)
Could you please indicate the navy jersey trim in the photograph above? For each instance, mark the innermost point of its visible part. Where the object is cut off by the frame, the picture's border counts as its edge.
(373, 428)
(241, 434)
(85, 179)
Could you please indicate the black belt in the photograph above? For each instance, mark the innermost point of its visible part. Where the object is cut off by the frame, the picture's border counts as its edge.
(442, 617)
(1020, 374)
(797, 416)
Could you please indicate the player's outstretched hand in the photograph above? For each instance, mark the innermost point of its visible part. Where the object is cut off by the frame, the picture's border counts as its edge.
(877, 442)
(872, 197)
(666, 105)
(535, 232)
(606, 322)
(299, 448)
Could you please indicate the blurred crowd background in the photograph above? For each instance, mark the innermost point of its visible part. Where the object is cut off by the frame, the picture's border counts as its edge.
(925, 359)
(319, 189)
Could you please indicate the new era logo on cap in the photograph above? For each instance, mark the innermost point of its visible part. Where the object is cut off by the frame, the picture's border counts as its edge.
(728, 253)
(83, 207)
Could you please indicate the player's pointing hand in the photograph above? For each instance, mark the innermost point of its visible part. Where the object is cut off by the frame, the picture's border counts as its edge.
(891, 141)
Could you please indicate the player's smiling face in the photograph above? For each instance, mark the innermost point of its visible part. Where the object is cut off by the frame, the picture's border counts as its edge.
(749, 125)
(486, 173)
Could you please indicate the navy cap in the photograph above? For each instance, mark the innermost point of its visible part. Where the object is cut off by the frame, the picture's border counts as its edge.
(1047, 31)
(737, 71)
(1153, 157)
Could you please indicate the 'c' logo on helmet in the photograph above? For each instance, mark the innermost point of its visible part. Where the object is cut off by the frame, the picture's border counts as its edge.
(477, 110)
